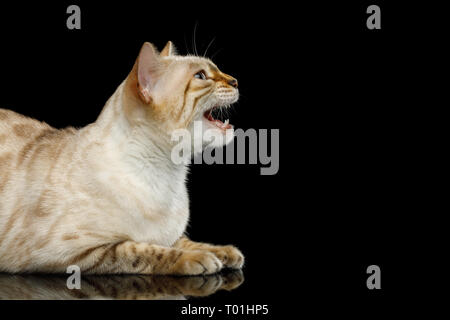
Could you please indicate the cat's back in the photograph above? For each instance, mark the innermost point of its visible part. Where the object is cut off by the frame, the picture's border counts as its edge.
(25, 144)
(16, 130)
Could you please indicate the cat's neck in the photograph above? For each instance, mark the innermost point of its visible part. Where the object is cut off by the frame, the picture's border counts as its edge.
(138, 142)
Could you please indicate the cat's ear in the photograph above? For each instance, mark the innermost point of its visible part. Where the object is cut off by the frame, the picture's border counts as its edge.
(169, 50)
(149, 70)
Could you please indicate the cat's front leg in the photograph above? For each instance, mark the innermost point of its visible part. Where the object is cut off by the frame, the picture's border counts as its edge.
(230, 256)
(131, 257)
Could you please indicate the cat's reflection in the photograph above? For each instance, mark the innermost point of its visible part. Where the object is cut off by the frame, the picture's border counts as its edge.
(48, 287)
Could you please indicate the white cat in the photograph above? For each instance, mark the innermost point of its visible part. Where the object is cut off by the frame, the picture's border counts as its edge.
(107, 197)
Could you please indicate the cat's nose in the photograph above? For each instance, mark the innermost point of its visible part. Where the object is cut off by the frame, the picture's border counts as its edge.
(233, 83)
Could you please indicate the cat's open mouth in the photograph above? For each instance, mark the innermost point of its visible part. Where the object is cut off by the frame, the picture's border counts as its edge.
(212, 116)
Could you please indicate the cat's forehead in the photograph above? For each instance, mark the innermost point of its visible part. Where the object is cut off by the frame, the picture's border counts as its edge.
(194, 62)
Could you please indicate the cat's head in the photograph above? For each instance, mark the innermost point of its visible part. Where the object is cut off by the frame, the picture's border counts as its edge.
(173, 91)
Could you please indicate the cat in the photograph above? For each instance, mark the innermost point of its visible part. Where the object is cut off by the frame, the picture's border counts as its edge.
(107, 197)
(118, 287)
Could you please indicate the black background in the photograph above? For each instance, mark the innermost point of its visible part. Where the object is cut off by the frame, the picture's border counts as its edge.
(341, 95)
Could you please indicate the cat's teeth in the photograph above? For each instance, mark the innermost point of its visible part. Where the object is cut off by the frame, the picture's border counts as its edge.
(226, 122)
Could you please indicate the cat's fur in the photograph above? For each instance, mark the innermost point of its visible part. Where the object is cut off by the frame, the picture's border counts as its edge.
(108, 197)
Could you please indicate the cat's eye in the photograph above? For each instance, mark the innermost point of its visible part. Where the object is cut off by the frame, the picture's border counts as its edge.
(200, 75)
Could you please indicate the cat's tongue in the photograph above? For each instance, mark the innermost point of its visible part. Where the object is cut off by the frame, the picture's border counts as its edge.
(222, 125)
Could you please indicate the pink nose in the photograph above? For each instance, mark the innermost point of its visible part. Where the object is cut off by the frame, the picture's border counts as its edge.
(233, 83)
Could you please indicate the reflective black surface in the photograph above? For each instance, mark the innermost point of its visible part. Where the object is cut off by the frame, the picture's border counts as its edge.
(121, 287)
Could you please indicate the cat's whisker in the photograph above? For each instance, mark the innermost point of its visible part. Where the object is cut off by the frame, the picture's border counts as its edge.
(194, 44)
(228, 110)
(212, 57)
(210, 43)
(186, 45)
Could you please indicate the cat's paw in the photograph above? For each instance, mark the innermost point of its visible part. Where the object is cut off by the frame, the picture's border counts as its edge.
(197, 262)
(230, 256)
